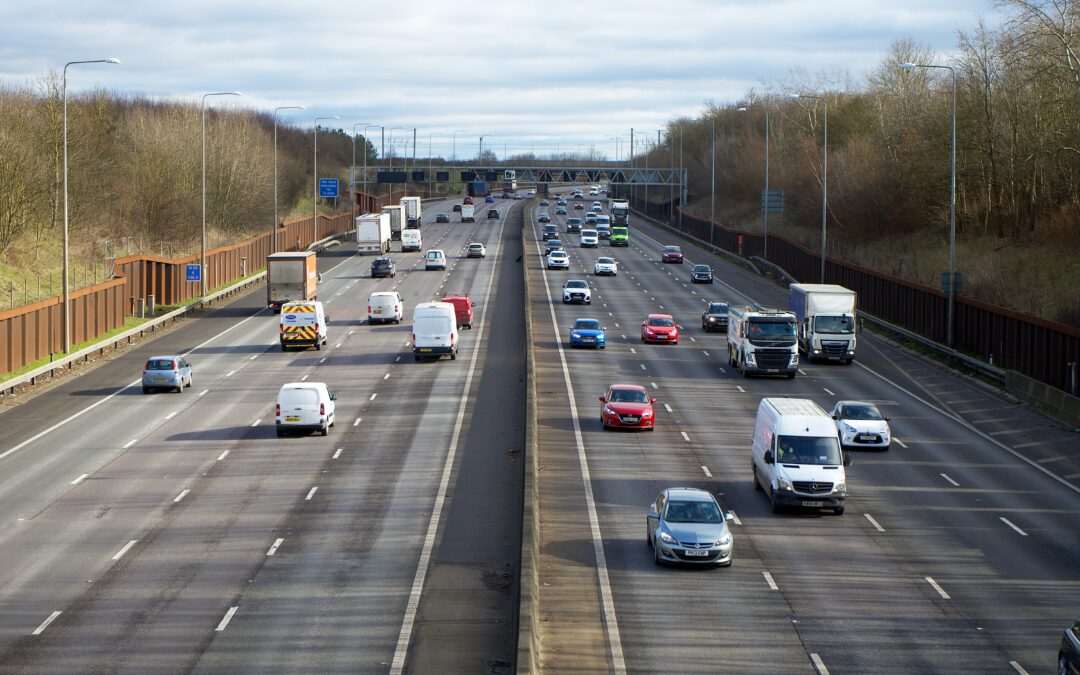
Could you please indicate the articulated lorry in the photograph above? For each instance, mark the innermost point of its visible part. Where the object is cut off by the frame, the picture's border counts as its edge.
(290, 277)
(413, 209)
(826, 316)
(397, 220)
(373, 233)
(620, 212)
(761, 341)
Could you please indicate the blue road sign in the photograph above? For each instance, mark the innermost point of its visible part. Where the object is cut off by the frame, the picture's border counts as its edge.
(194, 272)
(328, 187)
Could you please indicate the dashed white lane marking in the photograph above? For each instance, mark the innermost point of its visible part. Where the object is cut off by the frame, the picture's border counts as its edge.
(125, 549)
(633, 351)
(610, 314)
(734, 517)
(706, 470)
(1013, 526)
(230, 373)
(311, 493)
(1018, 668)
(740, 389)
(954, 483)
(274, 547)
(802, 372)
(350, 332)
(705, 352)
(337, 453)
(305, 377)
(642, 366)
(899, 442)
(827, 391)
(131, 443)
(373, 396)
(253, 357)
(356, 423)
(80, 479)
(337, 345)
(668, 408)
(654, 385)
(769, 580)
(223, 455)
(819, 664)
(171, 415)
(45, 624)
(693, 340)
(685, 437)
(322, 360)
(180, 497)
(624, 337)
(256, 422)
(204, 392)
(617, 325)
(873, 522)
(225, 619)
(386, 376)
(936, 587)
(397, 359)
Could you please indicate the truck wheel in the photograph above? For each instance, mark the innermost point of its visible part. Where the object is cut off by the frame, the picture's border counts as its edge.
(838, 511)
(284, 347)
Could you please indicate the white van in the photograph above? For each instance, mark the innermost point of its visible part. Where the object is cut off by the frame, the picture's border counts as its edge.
(796, 456)
(435, 259)
(435, 331)
(411, 240)
(304, 406)
(384, 306)
(302, 324)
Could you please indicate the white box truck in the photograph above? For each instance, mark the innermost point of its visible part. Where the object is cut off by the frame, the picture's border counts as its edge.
(826, 316)
(373, 233)
(413, 209)
(397, 220)
(761, 341)
(468, 213)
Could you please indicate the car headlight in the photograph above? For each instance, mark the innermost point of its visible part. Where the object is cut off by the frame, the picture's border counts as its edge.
(649, 331)
(847, 428)
(667, 538)
(712, 319)
(840, 489)
(609, 411)
(794, 363)
(783, 483)
(647, 413)
(723, 541)
(575, 336)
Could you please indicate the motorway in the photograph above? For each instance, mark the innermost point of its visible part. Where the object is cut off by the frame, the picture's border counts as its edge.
(957, 552)
(176, 533)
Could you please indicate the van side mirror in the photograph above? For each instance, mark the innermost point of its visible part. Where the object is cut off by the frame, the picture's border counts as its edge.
(768, 458)
(652, 512)
(847, 459)
(333, 397)
(327, 318)
(836, 417)
(886, 419)
(652, 400)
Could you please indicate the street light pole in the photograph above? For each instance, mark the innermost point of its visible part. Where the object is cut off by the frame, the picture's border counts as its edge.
(381, 130)
(277, 221)
(765, 194)
(352, 170)
(952, 202)
(315, 170)
(824, 175)
(392, 130)
(202, 256)
(66, 287)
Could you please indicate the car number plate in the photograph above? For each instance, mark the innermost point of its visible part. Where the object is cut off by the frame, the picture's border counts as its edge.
(292, 419)
(377, 311)
(698, 554)
(425, 349)
(866, 437)
(631, 419)
(160, 379)
(814, 504)
(588, 339)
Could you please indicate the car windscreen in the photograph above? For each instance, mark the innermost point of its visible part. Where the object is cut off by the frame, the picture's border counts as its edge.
(433, 255)
(588, 233)
(701, 268)
(661, 321)
(159, 364)
(771, 329)
(717, 308)
(605, 261)
(587, 324)
(692, 512)
(554, 244)
(576, 284)
(807, 450)
(290, 397)
(842, 325)
(671, 249)
(861, 412)
(629, 396)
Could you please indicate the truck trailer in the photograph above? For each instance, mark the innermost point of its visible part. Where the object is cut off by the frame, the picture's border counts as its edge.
(468, 213)
(413, 209)
(826, 316)
(290, 277)
(397, 220)
(373, 233)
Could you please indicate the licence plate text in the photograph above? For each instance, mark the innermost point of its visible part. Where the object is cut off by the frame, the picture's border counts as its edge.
(814, 504)
(699, 554)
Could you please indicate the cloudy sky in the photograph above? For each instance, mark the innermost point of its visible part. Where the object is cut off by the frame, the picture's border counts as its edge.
(527, 76)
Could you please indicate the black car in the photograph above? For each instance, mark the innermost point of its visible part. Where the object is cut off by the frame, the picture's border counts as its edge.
(701, 274)
(543, 218)
(552, 245)
(545, 202)
(493, 214)
(442, 218)
(382, 267)
(457, 208)
(573, 225)
(551, 232)
(715, 317)
(1069, 655)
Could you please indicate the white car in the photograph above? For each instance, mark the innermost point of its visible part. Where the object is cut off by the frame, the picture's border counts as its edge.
(861, 425)
(475, 250)
(558, 260)
(606, 266)
(577, 290)
(589, 239)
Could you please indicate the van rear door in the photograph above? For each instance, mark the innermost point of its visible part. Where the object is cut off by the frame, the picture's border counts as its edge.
(299, 406)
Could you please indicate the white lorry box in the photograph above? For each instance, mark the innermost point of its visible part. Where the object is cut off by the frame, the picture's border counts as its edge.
(761, 341)
(468, 213)
(826, 319)
(435, 331)
(373, 233)
(302, 324)
(413, 210)
(304, 406)
(397, 219)
(411, 240)
(796, 456)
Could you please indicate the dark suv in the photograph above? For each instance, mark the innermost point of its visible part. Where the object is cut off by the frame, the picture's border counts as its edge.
(551, 232)
(715, 317)
(701, 274)
(382, 267)
(493, 214)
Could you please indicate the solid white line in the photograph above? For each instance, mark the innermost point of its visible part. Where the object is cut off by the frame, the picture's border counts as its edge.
(171, 415)
(827, 391)
(311, 493)
(225, 620)
(125, 549)
(819, 664)
(180, 496)
(223, 455)
(274, 547)
(356, 423)
(899, 442)
(685, 437)
(131, 443)
(405, 634)
(1018, 668)
(230, 373)
(769, 580)
(45, 623)
(873, 522)
(954, 483)
(735, 517)
(1010, 524)
(706, 470)
(337, 453)
(740, 389)
(668, 408)
(373, 396)
(80, 479)
(939, 589)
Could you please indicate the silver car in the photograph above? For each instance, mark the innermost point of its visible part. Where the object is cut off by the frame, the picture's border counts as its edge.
(686, 525)
(166, 372)
(861, 425)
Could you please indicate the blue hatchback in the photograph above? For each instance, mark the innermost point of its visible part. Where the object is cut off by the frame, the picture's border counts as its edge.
(588, 333)
(489, 199)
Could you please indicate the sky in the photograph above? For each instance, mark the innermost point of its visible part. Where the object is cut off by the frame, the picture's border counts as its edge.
(542, 77)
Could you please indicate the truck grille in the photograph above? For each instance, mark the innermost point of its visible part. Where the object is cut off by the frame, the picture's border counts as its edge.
(834, 348)
(772, 358)
(812, 488)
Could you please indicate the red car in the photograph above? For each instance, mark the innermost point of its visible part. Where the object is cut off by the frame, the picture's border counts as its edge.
(671, 254)
(627, 406)
(659, 328)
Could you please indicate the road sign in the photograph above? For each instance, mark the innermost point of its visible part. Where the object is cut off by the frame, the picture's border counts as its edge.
(194, 272)
(328, 188)
(772, 201)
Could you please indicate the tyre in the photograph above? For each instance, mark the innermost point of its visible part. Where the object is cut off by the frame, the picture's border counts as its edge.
(773, 506)
(280, 432)
(180, 388)
(453, 356)
(318, 345)
(791, 376)
(146, 390)
(675, 343)
(847, 362)
(656, 556)
(325, 430)
(753, 472)
(839, 511)
(416, 357)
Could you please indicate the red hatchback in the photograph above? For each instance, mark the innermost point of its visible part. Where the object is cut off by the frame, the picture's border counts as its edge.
(660, 328)
(671, 254)
(627, 406)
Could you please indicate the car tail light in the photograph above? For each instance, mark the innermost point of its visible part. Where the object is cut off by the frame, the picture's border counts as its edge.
(369, 309)
(316, 327)
(277, 411)
(397, 308)
(322, 409)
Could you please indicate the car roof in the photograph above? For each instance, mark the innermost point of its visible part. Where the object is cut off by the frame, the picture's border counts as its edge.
(659, 316)
(164, 356)
(689, 494)
(576, 281)
(628, 387)
(867, 403)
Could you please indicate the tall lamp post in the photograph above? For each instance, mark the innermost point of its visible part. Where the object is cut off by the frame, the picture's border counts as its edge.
(824, 175)
(382, 130)
(277, 221)
(765, 194)
(392, 130)
(202, 255)
(67, 289)
(352, 169)
(453, 142)
(952, 201)
(315, 169)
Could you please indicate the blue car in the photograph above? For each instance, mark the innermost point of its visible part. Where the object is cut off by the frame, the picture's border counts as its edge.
(171, 373)
(588, 333)
(489, 199)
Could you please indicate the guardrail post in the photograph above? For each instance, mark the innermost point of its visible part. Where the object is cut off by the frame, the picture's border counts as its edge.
(1072, 377)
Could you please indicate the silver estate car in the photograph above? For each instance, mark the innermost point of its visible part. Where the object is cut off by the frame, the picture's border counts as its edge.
(686, 525)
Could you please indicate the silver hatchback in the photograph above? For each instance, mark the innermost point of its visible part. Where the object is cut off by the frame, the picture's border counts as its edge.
(686, 525)
(166, 372)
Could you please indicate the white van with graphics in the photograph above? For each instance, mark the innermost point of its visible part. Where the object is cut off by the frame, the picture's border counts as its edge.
(435, 331)
(302, 324)
(796, 456)
(411, 240)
